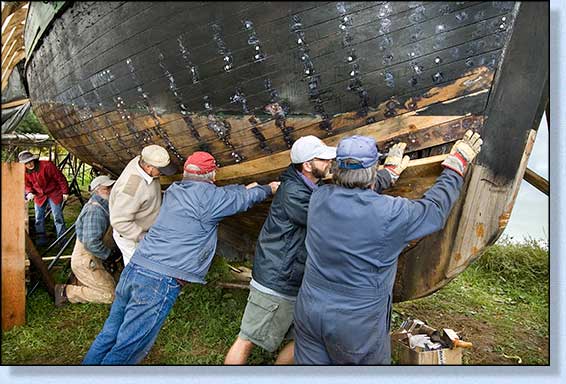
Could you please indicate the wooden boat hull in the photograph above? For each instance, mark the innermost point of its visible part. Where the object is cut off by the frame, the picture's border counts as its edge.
(244, 80)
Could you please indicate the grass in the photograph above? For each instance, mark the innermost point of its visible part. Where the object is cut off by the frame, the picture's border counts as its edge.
(500, 303)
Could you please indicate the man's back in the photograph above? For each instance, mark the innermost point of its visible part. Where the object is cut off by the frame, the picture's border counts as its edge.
(182, 242)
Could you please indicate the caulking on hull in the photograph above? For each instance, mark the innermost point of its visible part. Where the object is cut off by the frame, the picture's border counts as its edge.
(244, 80)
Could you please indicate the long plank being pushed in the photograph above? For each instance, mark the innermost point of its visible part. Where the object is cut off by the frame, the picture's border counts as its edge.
(418, 132)
(406, 124)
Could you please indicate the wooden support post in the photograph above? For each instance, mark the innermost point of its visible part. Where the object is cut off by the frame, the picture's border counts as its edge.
(537, 181)
(35, 259)
(13, 246)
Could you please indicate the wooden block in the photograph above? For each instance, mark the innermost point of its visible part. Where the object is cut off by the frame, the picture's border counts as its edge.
(13, 246)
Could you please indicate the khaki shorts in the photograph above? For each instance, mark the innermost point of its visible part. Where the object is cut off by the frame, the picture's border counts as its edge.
(267, 320)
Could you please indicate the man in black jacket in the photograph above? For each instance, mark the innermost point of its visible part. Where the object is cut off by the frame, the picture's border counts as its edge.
(280, 251)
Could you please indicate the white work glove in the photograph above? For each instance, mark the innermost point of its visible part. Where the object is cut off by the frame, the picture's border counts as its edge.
(65, 196)
(274, 186)
(29, 196)
(395, 163)
(463, 152)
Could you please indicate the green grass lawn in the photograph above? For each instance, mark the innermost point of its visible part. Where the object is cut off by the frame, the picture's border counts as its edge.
(500, 304)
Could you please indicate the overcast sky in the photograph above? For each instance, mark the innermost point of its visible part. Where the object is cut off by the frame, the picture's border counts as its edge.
(529, 217)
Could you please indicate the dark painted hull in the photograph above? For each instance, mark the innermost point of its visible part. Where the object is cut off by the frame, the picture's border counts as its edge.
(244, 80)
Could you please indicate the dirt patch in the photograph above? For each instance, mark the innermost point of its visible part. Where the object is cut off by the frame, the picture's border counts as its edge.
(482, 334)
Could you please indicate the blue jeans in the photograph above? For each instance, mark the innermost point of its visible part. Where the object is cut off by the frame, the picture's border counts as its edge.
(143, 300)
(57, 212)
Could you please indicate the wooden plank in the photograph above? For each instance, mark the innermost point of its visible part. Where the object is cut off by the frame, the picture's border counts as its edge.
(11, 7)
(537, 181)
(473, 83)
(380, 131)
(7, 52)
(14, 211)
(14, 60)
(233, 285)
(419, 176)
(35, 259)
(15, 103)
(526, 53)
(486, 218)
(16, 24)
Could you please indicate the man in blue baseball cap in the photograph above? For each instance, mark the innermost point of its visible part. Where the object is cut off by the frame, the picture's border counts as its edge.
(280, 252)
(353, 239)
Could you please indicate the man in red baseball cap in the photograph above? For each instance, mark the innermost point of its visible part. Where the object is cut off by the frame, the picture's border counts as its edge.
(200, 163)
(178, 248)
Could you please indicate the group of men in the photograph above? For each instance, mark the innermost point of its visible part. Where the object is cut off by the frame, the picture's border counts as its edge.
(325, 258)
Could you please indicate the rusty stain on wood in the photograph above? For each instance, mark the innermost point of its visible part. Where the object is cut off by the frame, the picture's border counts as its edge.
(480, 232)
(504, 219)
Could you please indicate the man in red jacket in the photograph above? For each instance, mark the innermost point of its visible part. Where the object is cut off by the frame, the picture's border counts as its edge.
(44, 182)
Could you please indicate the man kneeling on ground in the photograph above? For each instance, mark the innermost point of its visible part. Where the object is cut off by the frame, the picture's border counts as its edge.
(96, 284)
(178, 249)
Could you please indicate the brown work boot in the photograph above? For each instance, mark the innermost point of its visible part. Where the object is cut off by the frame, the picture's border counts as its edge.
(60, 295)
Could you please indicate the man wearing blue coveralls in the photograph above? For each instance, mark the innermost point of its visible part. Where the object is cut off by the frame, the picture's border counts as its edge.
(354, 237)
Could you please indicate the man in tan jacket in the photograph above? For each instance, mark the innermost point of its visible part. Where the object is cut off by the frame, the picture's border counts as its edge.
(136, 197)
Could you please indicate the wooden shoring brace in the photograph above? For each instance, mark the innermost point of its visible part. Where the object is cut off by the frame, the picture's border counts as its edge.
(537, 181)
(14, 212)
(37, 262)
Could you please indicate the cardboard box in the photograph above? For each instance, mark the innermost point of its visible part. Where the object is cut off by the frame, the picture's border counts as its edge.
(407, 356)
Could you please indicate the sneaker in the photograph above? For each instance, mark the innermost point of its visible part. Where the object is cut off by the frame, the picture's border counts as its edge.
(60, 295)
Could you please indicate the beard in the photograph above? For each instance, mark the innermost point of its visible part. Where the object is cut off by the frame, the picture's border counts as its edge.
(320, 173)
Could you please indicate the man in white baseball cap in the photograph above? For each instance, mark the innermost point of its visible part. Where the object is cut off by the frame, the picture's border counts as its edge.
(96, 285)
(280, 254)
(136, 197)
(103, 180)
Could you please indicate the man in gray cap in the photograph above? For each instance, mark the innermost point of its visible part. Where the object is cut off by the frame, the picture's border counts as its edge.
(280, 252)
(92, 226)
(136, 197)
(44, 183)
(353, 239)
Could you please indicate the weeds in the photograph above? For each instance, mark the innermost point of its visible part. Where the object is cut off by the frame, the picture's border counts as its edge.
(500, 303)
